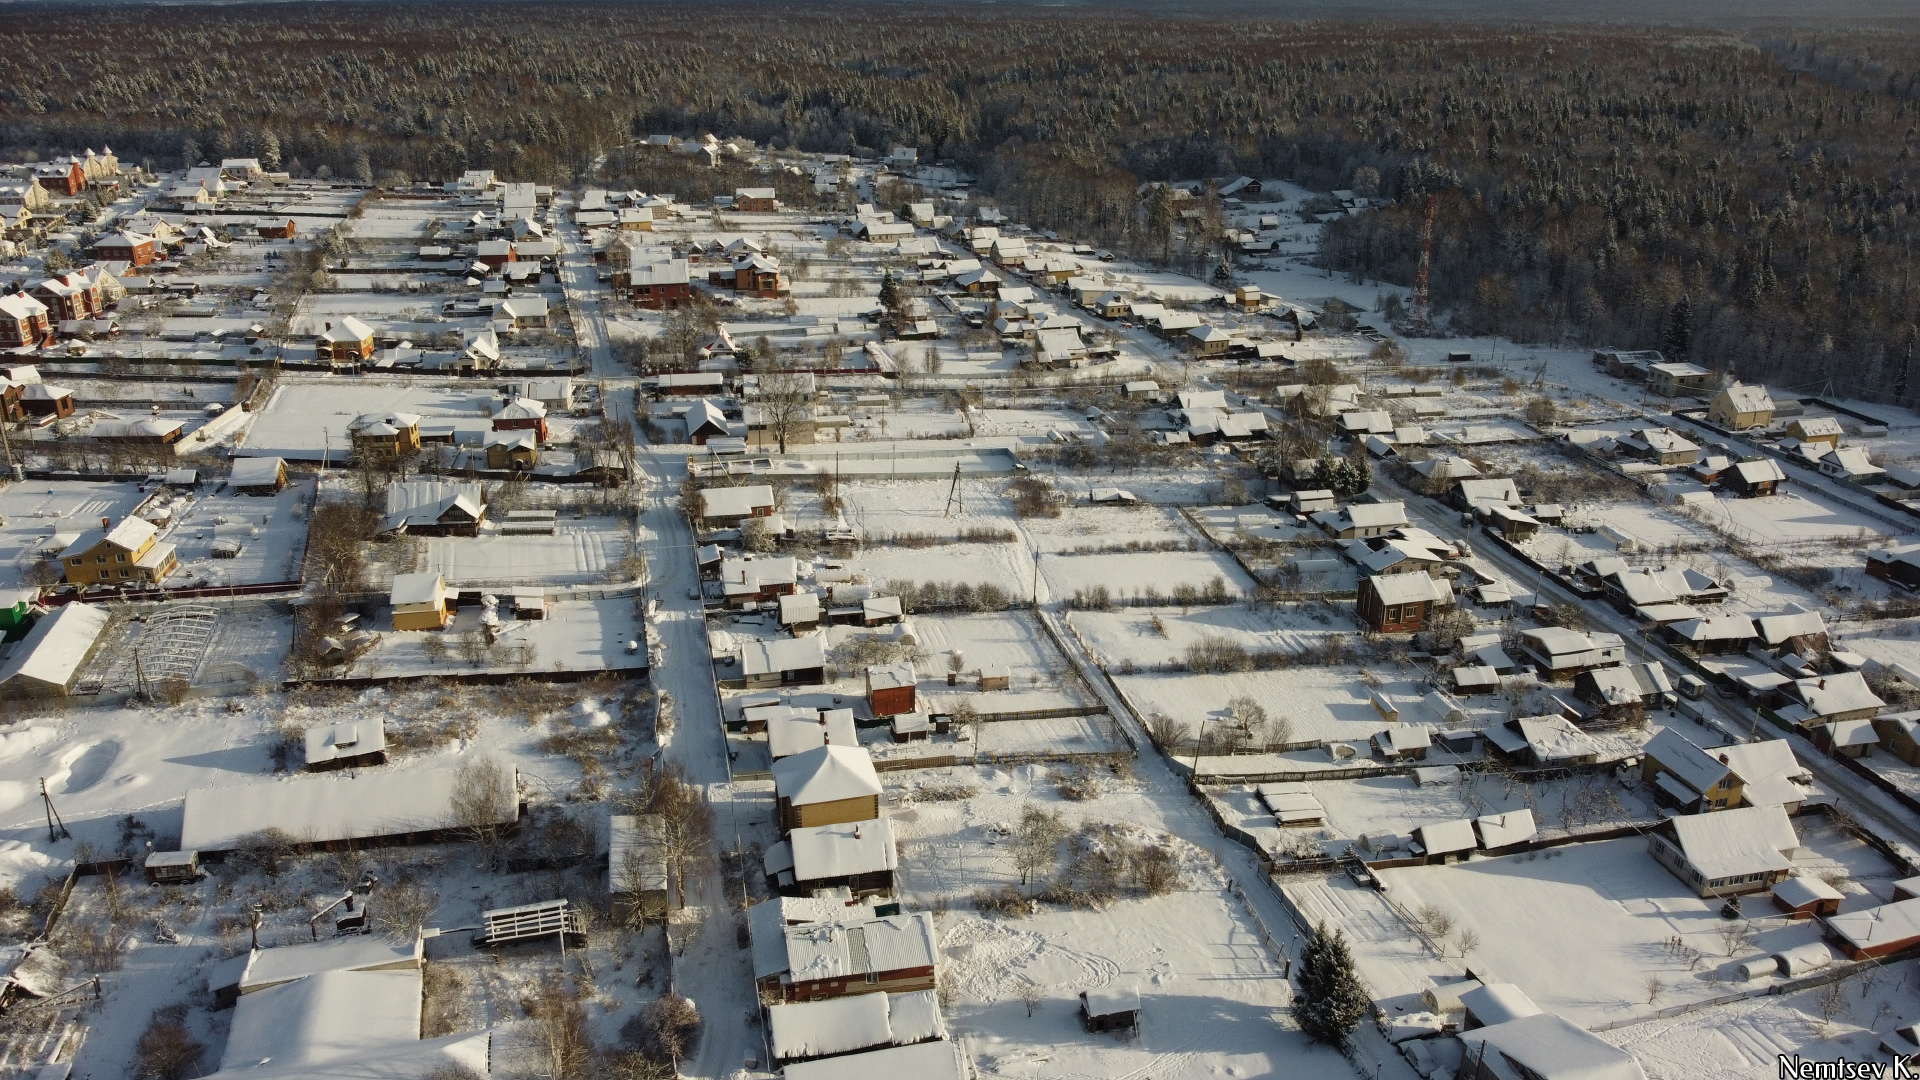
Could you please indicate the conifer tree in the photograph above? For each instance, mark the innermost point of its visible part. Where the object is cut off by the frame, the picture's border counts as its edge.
(1332, 1001)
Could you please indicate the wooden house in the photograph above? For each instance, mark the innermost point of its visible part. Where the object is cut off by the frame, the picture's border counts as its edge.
(350, 744)
(1816, 429)
(828, 785)
(890, 690)
(1741, 406)
(1400, 603)
(258, 476)
(1806, 897)
(420, 602)
(638, 877)
(819, 961)
(348, 341)
(1746, 850)
(283, 231)
(46, 399)
(385, 436)
(1110, 1008)
(129, 553)
(860, 857)
(762, 200)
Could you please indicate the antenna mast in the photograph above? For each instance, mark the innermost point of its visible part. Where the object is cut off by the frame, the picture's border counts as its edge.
(1422, 315)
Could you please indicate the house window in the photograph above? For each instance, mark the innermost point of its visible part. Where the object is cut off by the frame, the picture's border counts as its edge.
(119, 558)
(123, 573)
(99, 558)
(1393, 614)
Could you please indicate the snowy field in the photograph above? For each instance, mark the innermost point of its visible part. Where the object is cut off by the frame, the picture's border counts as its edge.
(1081, 525)
(32, 513)
(1010, 640)
(271, 532)
(1212, 995)
(1321, 703)
(302, 418)
(1132, 574)
(1626, 906)
(1129, 636)
(582, 635)
(583, 552)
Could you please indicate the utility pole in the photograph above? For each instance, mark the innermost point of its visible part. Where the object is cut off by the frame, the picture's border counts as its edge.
(56, 829)
(953, 494)
(1422, 319)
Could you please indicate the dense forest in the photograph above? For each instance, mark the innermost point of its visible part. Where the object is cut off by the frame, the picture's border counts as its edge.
(1745, 201)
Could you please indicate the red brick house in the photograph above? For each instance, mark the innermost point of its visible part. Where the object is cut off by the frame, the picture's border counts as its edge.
(134, 249)
(277, 232)
(522, 414)
(67, 178)
(755, 200)
(659, 286)
(70, 296)
(495, 253)
(23, 321)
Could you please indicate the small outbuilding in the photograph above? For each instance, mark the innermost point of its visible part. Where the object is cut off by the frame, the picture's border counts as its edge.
(1110, 1008)
(1805, 897)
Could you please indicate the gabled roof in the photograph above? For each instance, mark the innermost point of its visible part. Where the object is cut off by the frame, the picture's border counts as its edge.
(1410, 588)
(429, 502)
(1549, 1047)
(724, 502)
(422, 588)
(1759, 472)
(52, 652)
(1698, 768)
(127, 536)
(787, 654)
(1727, 843)
(1745, 397)
(1830, 695)
(1777, 629)
(347, 330)
(825, 774)
(834, 851)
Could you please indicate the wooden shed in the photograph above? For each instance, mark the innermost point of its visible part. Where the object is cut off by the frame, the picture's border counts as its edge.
(1110, 1008)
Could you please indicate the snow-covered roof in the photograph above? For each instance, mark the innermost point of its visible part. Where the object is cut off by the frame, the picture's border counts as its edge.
(262, 968)
(811, 1029)
(317, 809)
(787, 654)
(636, 856)
(1497, 1003)
(1504, 830)
(936, 1060)
(1800, 891)
(256, 472)
(128, 535)
(801, 730)
(1554, 738)
(1831, 695)
(1746, 397)
(328, 1016)
(1447, 836)
(1772, 774)
(726, 502)
(1759, 471)
(1408, 588)
(1876, 926)
(840, 949)
(1729, 843)
(767, 924)
(54, 649)
(1549, 1047)
(825, 774)
(347, 331)
(346, 739)
(426, 502)
(1699, 769)
(425, 587)
(833, 851)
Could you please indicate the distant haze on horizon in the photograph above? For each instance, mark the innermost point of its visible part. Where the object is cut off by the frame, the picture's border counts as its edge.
(1714, 13)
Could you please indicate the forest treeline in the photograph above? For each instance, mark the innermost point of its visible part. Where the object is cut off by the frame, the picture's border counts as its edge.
(1746, 202)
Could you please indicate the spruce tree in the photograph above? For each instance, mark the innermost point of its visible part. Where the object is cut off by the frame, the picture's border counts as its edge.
(1677, 341)
(1332, 1001)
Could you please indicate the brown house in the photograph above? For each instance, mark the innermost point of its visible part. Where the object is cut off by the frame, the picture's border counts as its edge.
(348, 341)
(135, 249)
(817, 961)
(45, 399)
(828, 785)
(755, 200)
(890, 690)
(277, 232)
(1399, 603)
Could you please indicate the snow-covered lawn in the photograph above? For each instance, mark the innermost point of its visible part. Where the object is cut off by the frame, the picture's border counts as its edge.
(33, 511)
(1130, 636)
(582, 552)
(1133, 573)
(1625, 907)
(1009, 640)
(1789, 517)
(1212, 996)
(271, 532)
(587, 635)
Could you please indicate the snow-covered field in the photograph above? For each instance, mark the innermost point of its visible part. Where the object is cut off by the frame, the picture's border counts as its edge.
(33, 513)
(583, 552)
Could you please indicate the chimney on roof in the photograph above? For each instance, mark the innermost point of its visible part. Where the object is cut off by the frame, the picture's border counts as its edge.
(1823, 684)
(1723, 760)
